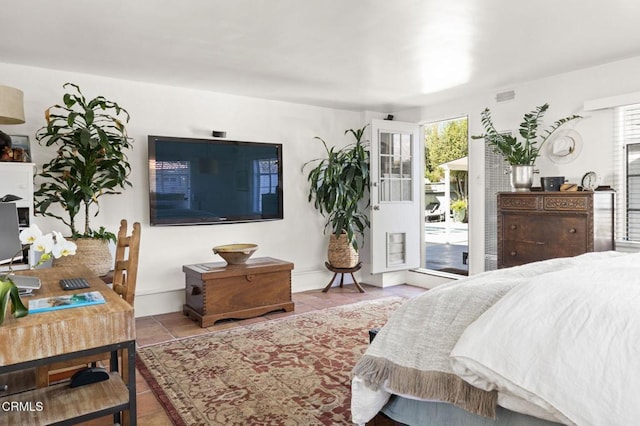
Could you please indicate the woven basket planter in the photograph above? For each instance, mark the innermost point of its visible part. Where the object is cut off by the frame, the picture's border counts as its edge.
(341, 254)
(92, 253)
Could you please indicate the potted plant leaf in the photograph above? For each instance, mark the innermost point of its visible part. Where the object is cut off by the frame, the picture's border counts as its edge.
(90, 162)
(338, 186)
(521, 154)
(459, 208)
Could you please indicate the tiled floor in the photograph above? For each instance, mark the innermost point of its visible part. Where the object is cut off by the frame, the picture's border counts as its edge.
(165, 327)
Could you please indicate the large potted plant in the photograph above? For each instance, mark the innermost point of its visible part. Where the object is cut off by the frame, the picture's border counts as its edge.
(459, 208)
(338, 186)
(91, 141)
(521, 154)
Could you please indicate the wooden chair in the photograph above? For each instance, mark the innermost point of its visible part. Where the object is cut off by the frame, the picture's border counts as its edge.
(124, 283)
(126, 262)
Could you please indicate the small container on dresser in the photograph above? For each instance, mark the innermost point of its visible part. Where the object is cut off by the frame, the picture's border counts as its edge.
(535, 226)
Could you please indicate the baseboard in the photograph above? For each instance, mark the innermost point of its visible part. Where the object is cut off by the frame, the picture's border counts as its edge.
(166, 301)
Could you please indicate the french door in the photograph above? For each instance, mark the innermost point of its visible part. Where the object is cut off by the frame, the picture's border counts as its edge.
(396, 180)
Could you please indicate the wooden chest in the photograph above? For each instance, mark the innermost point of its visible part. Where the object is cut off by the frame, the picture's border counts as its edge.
(535, 226)
(216, 291)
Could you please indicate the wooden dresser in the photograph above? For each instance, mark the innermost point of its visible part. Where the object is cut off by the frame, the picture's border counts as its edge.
(216, 291)
(536, 226)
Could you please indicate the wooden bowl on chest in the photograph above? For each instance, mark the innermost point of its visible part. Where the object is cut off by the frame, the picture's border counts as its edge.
(235, 254)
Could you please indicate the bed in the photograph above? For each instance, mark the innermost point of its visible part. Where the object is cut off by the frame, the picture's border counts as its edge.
(551, 342)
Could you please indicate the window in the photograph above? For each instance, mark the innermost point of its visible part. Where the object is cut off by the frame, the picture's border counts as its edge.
(627, 163)
(395, 167)
(174, 177)
(266, 183)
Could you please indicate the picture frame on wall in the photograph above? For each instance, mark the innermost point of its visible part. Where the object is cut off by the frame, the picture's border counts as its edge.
(21, 148)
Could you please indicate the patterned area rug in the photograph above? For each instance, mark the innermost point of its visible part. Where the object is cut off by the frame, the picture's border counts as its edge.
(290, 371)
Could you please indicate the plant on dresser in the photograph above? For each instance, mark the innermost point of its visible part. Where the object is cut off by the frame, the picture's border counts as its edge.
(521, 155)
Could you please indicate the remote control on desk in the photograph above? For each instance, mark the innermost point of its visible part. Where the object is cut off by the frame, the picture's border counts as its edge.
(73, 283)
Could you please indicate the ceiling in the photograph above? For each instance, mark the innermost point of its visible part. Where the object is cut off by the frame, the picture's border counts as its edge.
(376, 55)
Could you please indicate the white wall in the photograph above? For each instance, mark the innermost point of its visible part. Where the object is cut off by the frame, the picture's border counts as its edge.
(171, 111)
(164, 110)
(565, 94)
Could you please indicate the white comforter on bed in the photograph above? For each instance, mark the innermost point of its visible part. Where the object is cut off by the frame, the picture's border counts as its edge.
(567, 341)
(569, 324)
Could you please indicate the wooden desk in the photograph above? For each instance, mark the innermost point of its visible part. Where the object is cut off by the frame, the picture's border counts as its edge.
(42, 338)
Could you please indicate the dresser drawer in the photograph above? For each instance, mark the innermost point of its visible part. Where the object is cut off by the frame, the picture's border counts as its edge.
(577, 203)
(17, 381)
(520, 252)
(518, 202)
(568, 231)
(524, 227)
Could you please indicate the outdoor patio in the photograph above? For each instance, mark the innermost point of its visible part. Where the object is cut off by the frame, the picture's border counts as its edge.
(445, 245)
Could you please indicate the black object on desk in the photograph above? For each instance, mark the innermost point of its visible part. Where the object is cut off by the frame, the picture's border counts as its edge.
(73, 283)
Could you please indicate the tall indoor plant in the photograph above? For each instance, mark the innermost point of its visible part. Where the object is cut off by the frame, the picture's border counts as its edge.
(521, 155)
(338, 187)
(91, 162)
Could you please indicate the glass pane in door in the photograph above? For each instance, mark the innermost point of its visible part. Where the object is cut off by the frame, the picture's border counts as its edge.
(396, 164)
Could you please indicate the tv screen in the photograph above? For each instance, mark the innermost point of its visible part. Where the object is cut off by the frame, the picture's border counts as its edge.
(208, 181)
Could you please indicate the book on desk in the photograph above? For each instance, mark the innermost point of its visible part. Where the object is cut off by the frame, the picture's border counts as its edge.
(66, 301)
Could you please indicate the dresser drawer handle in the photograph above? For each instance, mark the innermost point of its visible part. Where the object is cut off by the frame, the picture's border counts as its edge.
(513, 253)
(572, 230)
(514, 227)
(249, 277)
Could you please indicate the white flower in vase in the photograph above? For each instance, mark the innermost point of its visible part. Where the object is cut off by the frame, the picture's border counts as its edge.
(52, 244)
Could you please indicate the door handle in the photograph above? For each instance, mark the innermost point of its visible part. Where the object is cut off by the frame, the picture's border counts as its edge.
(375, 207)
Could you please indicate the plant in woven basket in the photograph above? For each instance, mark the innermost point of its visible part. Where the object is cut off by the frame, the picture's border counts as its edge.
(91, 162)
(338, 186)
(91, 141)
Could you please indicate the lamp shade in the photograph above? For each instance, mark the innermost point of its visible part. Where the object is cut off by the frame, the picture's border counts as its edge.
(11, 105)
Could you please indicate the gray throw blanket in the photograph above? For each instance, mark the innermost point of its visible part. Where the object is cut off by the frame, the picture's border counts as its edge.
(410, 354)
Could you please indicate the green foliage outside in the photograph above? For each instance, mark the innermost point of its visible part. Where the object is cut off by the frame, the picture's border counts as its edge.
(459, 204)
(446, 142)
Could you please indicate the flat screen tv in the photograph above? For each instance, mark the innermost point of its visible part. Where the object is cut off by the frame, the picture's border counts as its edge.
(211, 181)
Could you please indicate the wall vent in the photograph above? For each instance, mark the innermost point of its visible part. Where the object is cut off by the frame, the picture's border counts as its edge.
(509, 95)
